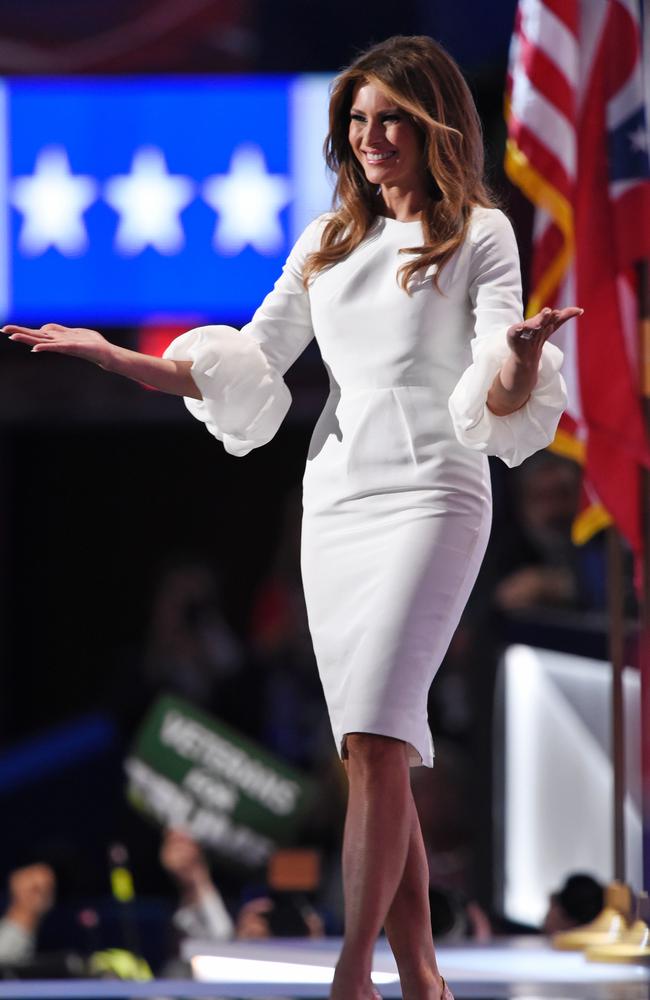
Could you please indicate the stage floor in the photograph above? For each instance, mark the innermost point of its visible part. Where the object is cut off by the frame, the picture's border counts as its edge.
(521, 968)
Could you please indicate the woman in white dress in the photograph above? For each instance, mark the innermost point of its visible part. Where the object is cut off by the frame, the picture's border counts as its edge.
(411, 286)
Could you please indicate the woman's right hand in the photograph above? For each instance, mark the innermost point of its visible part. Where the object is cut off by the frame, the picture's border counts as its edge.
(161, 373)
(56, 339)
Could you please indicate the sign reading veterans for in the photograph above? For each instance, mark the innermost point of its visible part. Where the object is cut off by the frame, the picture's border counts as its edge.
(125, 200)
(188, 769)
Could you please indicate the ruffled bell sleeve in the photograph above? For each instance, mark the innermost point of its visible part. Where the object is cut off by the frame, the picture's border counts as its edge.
(240, 373)
(495, 295)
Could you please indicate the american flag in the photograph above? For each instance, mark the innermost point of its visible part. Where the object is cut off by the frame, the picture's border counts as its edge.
(578, 149)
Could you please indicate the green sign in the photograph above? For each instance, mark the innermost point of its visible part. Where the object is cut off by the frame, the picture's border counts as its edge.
(188, 769)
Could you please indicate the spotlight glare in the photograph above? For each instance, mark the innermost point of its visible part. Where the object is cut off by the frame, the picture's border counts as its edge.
(216, 969)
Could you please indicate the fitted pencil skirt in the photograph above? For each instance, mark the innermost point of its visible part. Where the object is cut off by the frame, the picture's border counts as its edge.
(386, 582)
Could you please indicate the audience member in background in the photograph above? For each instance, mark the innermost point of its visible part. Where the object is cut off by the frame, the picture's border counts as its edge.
(578, 902)
(31, 894)
(203, 913)
(272, 916)
(454, 917)
(540, 566)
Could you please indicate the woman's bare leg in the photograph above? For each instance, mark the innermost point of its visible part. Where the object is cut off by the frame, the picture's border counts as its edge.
(408, 922)
(375, 847)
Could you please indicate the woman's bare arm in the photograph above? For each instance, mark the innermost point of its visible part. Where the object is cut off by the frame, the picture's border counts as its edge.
(168, 376)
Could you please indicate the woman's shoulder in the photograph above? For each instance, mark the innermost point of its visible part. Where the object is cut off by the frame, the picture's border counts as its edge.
(314, 229)
(310, 237)
(489, 225)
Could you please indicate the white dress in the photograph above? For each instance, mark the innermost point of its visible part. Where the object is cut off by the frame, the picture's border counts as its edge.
(396, 491)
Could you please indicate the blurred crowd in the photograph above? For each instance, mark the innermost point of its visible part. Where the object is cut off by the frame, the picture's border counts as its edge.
(273, 910)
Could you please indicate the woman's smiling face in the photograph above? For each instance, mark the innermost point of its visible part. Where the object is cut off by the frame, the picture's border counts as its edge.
(385, 141)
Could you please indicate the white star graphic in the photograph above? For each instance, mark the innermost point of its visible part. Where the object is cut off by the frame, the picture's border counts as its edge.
(149, 201)
(52, 202)
(247, 200)
(639, 139)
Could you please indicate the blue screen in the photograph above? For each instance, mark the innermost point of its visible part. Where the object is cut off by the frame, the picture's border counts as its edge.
(133, 200)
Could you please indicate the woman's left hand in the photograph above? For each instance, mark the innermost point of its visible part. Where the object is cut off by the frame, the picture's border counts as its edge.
(527, 339)
(517, 376)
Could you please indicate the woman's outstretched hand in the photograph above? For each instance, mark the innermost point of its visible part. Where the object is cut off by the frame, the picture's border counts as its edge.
(514, 383)
(527, 339)
(76, 341)
(167, 375)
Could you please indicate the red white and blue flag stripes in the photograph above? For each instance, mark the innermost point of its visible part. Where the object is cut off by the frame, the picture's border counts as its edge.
(578, 148)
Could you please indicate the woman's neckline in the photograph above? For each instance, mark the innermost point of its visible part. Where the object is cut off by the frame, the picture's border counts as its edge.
(400, 222)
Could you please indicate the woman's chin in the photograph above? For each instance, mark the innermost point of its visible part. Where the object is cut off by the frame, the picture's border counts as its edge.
(378, 174)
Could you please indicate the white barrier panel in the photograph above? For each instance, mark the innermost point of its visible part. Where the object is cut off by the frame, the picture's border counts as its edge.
(555, 741)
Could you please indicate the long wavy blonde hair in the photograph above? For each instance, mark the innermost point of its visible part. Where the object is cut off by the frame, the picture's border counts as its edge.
(426, 84)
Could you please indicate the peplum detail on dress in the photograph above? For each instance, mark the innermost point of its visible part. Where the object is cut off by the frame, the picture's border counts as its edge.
(515, 436)
(245, 399)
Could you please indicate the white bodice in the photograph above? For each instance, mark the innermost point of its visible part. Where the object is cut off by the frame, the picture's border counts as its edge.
(374, 336)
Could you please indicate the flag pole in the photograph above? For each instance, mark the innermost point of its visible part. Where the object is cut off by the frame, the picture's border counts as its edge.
(643, 276)
(617, 620)
(616, 609)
